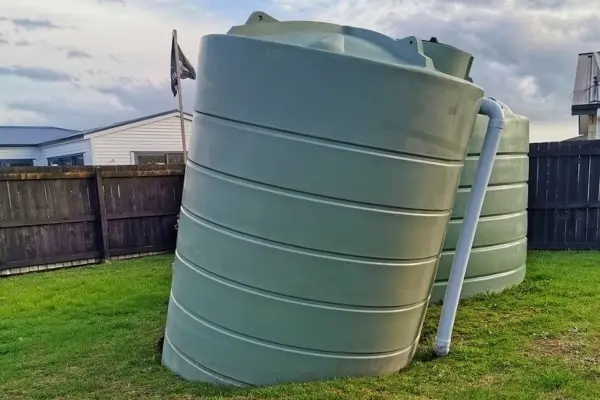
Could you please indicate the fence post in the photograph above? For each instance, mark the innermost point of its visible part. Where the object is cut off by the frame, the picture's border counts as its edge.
(102, 214)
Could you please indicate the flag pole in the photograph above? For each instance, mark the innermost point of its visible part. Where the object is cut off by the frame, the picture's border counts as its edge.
(178, 72)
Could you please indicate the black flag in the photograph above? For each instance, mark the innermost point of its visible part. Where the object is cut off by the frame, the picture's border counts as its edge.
(185, 67)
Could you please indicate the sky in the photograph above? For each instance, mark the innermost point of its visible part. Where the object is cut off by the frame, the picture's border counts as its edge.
(85, 63)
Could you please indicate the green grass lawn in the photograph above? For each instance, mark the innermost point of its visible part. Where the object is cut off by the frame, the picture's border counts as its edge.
(91, 333)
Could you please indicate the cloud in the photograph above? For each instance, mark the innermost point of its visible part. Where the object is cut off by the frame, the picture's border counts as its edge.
(36, 73)
(48, 110)
(33, 24)
(127, 75)
(22, 43)
(151, 98)
(74, 107)
(546, 4)
(17, 117)
(78, 54)
(525, 51)
(101, 106)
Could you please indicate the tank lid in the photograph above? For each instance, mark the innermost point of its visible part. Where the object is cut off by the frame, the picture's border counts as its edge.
(448, 59)
(347, 40)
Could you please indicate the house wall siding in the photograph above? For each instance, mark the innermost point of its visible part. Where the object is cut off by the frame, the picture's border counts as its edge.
(584, 122)
(592, 122)
(20, 153)
(158, 136)
(67, 148)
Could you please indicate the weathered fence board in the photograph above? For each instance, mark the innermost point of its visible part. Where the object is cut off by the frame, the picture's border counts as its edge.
(61, 214)
(564, 195)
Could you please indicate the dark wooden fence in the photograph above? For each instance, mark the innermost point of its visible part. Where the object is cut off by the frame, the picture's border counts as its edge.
(63, 215)
(51, 215)
(564, 195)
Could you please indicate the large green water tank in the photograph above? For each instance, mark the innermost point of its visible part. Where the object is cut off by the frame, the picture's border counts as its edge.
(323, 166)
(499, 251)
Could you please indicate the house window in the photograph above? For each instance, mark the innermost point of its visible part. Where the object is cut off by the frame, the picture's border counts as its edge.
(159, 158)
(73, 159)
(16, 163)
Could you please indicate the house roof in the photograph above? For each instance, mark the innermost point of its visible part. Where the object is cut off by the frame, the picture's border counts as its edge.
(132, 121)
(18, 136)
(576, 138)
(586, 90)
(31, 135)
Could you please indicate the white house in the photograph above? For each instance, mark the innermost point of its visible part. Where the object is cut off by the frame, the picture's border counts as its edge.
(152, 139)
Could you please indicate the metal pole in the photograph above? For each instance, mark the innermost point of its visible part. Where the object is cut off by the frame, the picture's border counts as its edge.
(597, 119)
(179, 95)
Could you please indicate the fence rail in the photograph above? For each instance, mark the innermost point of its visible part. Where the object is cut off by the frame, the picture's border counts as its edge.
(62, 214)
(564, 195)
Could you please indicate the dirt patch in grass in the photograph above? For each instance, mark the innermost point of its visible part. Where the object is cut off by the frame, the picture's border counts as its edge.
(488, 380)
(574, 348)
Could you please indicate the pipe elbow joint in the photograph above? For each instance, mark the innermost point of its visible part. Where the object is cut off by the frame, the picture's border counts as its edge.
(494, 110)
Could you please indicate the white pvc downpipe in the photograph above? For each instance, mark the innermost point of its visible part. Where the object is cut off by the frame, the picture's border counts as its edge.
(494, 111)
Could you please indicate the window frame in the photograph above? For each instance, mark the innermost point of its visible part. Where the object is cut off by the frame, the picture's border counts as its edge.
(72, 156)
(4, 161)
(164, 154)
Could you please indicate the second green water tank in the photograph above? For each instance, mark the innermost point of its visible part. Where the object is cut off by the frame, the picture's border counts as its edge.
(499, 253)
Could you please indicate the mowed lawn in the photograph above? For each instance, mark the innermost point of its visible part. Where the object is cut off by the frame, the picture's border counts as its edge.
(91, 333)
